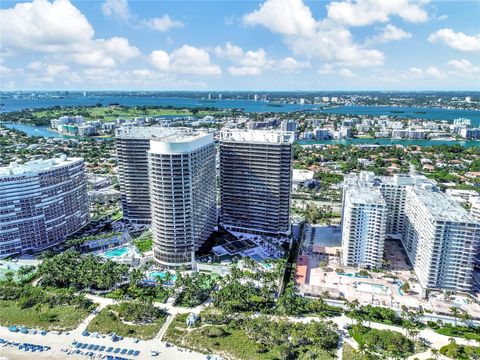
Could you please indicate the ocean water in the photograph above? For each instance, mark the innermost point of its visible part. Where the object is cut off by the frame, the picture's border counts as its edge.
(246, 105)
(43, 131)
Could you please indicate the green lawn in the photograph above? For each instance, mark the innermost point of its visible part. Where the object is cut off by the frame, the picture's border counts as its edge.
(383, 342)
(460, 352)
(107, 321)
(231, 342)
(61, 317)
(111, 114)
(349, 353)
(144, 245)
(465, 332)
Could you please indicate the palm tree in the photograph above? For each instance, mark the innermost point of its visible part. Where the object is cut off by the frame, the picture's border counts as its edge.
(466, 317)
(352, 306)
(455, 313)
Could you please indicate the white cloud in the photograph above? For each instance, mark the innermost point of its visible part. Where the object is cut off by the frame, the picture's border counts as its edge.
(5, 70)
(244, 70)
(389, 33)
(44, 26)
(95, 58)
(47, 72)
(120, 10)
(185, 60)
(160, 59)
(367, 12)
(229, 51)
(329, 69)
(464, 66)
(117, 8)
(60, 28)
(442, 17)
(35, 65)
(287, 17)
(415, 72)
(105, 53)
(326, 69)
(456, 40)
(346, 73)
(251, 62)
(326, 40)
(237, 55)
(433, 72)
(290, 64)
(335, 45)
(119, 48)
(56, 69)
(143, 73)
(428, 74)
(163, 23)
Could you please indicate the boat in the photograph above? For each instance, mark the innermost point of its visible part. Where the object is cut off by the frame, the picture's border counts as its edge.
(275, 105)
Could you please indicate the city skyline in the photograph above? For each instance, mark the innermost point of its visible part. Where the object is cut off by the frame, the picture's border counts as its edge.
(268, 45)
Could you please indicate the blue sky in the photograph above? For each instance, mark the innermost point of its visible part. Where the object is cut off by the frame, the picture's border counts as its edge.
(240, 45)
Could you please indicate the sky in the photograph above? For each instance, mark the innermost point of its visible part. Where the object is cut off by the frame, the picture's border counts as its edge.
(240, 45)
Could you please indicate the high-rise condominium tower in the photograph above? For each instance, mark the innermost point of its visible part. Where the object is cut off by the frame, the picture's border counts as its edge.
(364, 225)
(441, 239)
(256, 181)
(182, 194)
(41, 203)
(132, 146)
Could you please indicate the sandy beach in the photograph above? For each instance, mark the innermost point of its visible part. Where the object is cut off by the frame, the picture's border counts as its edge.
(57, 342)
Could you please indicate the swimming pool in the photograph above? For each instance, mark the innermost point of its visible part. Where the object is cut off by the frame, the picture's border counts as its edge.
(161, 275)
(373, 288)
(399, 284)
(118, 252)
(258, 258)
(353, 275)
(459, 301)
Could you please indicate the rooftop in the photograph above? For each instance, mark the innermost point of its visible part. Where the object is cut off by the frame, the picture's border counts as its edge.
(368, 177)
(180, 143)
(442, 207)
(36, 166)
(302, 175)
(365, 194)
(148, 132)
(258, 136)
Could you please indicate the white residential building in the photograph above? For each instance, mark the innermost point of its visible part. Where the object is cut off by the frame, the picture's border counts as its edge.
(470, 133)
(181, 170)
(393, 189)
(41, 203)
(364, 222)
(132, 144)
(475, 209)
(439, 236)
(441, 240)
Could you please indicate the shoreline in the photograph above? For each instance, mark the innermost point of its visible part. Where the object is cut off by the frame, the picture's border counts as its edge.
(61, 341)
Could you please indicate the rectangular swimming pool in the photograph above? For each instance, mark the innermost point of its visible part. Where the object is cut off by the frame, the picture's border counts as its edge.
(373, 288)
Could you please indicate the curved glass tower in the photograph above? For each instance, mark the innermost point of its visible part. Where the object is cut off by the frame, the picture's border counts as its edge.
(182, 196)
